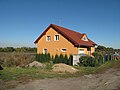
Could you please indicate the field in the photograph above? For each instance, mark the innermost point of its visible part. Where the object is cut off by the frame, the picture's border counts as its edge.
(11, 59)
(11, 76)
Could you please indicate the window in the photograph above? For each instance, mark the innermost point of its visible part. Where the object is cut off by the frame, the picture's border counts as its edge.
(81, 51)
(56, 37)
(48, 38)
(84, 38)
(63, 49)
(45, 51)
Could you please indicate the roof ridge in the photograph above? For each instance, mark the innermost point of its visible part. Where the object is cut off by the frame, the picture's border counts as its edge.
(66, 28)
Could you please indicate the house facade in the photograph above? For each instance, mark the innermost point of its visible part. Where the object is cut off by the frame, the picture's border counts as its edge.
(59, 40)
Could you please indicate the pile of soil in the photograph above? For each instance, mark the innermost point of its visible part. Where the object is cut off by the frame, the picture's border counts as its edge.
(35, 64)
(62, 68)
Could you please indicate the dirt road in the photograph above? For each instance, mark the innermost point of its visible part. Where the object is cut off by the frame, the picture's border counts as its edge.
(110, 80)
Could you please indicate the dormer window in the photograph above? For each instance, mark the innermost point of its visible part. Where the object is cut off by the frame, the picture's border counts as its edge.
(48, 38)
(84, 39)
(56, 38)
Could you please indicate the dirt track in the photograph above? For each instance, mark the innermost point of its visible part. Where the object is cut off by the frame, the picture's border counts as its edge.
(110, 80)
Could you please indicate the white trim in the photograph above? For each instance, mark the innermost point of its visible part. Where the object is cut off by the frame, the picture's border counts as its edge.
(47, 39)
(55, 37)
(63, 50)
(80, 51)
(44, 50)
(84, 38)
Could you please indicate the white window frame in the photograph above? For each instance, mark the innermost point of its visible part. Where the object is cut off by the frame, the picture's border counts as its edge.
(45, 51)
(55, 38)
(81, 50)
(63, 50)
(48, 40)
(85, 38)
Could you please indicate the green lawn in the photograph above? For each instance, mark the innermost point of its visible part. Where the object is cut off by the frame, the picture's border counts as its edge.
(33, 73)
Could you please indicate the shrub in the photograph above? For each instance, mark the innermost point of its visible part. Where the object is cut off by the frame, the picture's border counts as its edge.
(62, 59)
(56, 60)
(87, 61)
(69, 61)
(97, 60)
(65, 59)
(43, 57)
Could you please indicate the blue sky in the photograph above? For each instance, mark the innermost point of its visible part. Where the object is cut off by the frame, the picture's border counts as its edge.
(22, 21)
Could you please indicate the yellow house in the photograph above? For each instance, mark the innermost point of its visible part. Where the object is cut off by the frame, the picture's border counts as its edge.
(59, 40)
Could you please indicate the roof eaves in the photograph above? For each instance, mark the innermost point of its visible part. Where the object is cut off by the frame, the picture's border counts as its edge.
(36, 41)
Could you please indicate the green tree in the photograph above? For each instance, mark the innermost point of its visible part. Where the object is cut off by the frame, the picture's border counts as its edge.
(56, 58)
(61, 58)
(65, 59)
(69, 61)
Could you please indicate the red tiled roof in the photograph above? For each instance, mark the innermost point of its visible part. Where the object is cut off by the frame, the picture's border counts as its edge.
(70, 35)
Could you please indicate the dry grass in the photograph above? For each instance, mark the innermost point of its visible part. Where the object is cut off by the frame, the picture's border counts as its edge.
(15, 58)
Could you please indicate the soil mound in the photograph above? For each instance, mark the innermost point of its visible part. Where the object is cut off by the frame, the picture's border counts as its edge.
(62, 68)
(35, 64)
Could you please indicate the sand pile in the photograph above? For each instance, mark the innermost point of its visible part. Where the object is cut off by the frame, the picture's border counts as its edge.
(35, 64)
(62, 68)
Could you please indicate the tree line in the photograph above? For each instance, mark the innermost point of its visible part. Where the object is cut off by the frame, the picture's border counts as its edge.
(55, 59)
(106, 50)
(18, 49)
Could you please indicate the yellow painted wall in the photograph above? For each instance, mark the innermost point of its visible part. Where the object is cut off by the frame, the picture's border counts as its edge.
(54, 47)
(92, 49)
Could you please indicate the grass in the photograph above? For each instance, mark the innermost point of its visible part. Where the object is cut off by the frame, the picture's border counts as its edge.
(12, 76)
(13, 73)
(110, 64)
(34, 73)
(100, 69)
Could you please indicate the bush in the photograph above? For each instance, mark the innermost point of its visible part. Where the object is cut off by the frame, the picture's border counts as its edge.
(43, 57)
(86, 61)
(65, 59)
(97, 60)
(62, 59)
(69, 61)
(56, 59)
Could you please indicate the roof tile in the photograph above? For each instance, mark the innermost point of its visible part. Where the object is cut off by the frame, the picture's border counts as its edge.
(73, 36)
